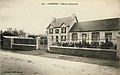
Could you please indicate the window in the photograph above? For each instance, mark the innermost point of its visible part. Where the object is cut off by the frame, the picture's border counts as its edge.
(56, 38)
(50, 31)
(108, 36)
(84, 37)
(57, 31)
(74, 37)
(63, 38)
(95, 36)
(63, 30)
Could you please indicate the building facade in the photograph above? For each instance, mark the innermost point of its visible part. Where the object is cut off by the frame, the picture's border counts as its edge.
(68, 30)
(58, 29)
(96, 31)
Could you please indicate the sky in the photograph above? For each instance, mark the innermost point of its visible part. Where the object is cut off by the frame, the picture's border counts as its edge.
(34, 17)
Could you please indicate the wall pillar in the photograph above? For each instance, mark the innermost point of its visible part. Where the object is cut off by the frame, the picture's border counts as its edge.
(11, 42)
(37, 43)
(78, 36)
(70, 40)
(118, 47)
(90, 37)
(50, 42)
(102, 36)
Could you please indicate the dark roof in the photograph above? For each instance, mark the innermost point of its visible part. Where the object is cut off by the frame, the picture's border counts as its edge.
(59, 21)
(97, 25)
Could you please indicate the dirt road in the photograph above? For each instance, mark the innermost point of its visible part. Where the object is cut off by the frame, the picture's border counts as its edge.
(21, 64)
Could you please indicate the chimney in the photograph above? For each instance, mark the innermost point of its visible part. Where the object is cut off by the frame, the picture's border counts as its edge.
(53, 19)
(74, 17)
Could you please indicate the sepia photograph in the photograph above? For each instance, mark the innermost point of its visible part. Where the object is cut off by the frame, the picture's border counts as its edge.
(59, 37)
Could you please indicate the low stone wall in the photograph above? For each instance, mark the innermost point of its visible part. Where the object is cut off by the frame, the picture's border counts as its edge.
(7, 43)
(85, 52)
(43, 47)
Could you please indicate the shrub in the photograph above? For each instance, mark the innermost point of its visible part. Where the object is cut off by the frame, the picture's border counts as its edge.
(107, 45)
(102, 45)
(94, 44)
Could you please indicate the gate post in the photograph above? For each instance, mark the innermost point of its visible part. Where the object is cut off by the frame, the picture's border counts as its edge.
(37, 42)
(118, 47)
(50, 42)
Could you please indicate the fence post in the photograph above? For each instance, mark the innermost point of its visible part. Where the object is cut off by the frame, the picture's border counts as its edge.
(37, 43)
(118, 47)
(11, 43)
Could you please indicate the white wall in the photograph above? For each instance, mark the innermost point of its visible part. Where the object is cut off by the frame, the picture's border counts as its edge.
(102, 36)
(89, 36)
(114, 36)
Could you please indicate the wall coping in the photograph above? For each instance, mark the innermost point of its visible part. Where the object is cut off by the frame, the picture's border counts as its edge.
(92, 49)
(17, 37)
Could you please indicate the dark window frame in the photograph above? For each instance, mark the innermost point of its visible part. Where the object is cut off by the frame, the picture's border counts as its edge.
(95, 36)
(57, 38)
(74, 36)
(84, 37)
(51, 31)
(63, 30)
(62, 38)
(108, 35)
(56, 31)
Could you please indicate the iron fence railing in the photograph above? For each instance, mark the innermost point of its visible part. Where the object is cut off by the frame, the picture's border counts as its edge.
(86, 44)
(24, 41)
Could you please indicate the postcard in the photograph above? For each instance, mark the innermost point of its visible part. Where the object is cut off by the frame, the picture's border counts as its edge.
(59, 37)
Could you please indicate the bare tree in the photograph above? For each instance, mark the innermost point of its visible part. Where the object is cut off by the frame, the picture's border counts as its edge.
(22, 33)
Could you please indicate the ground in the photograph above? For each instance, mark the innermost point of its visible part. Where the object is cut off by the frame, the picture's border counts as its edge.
(42, 63)
(43, 53)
